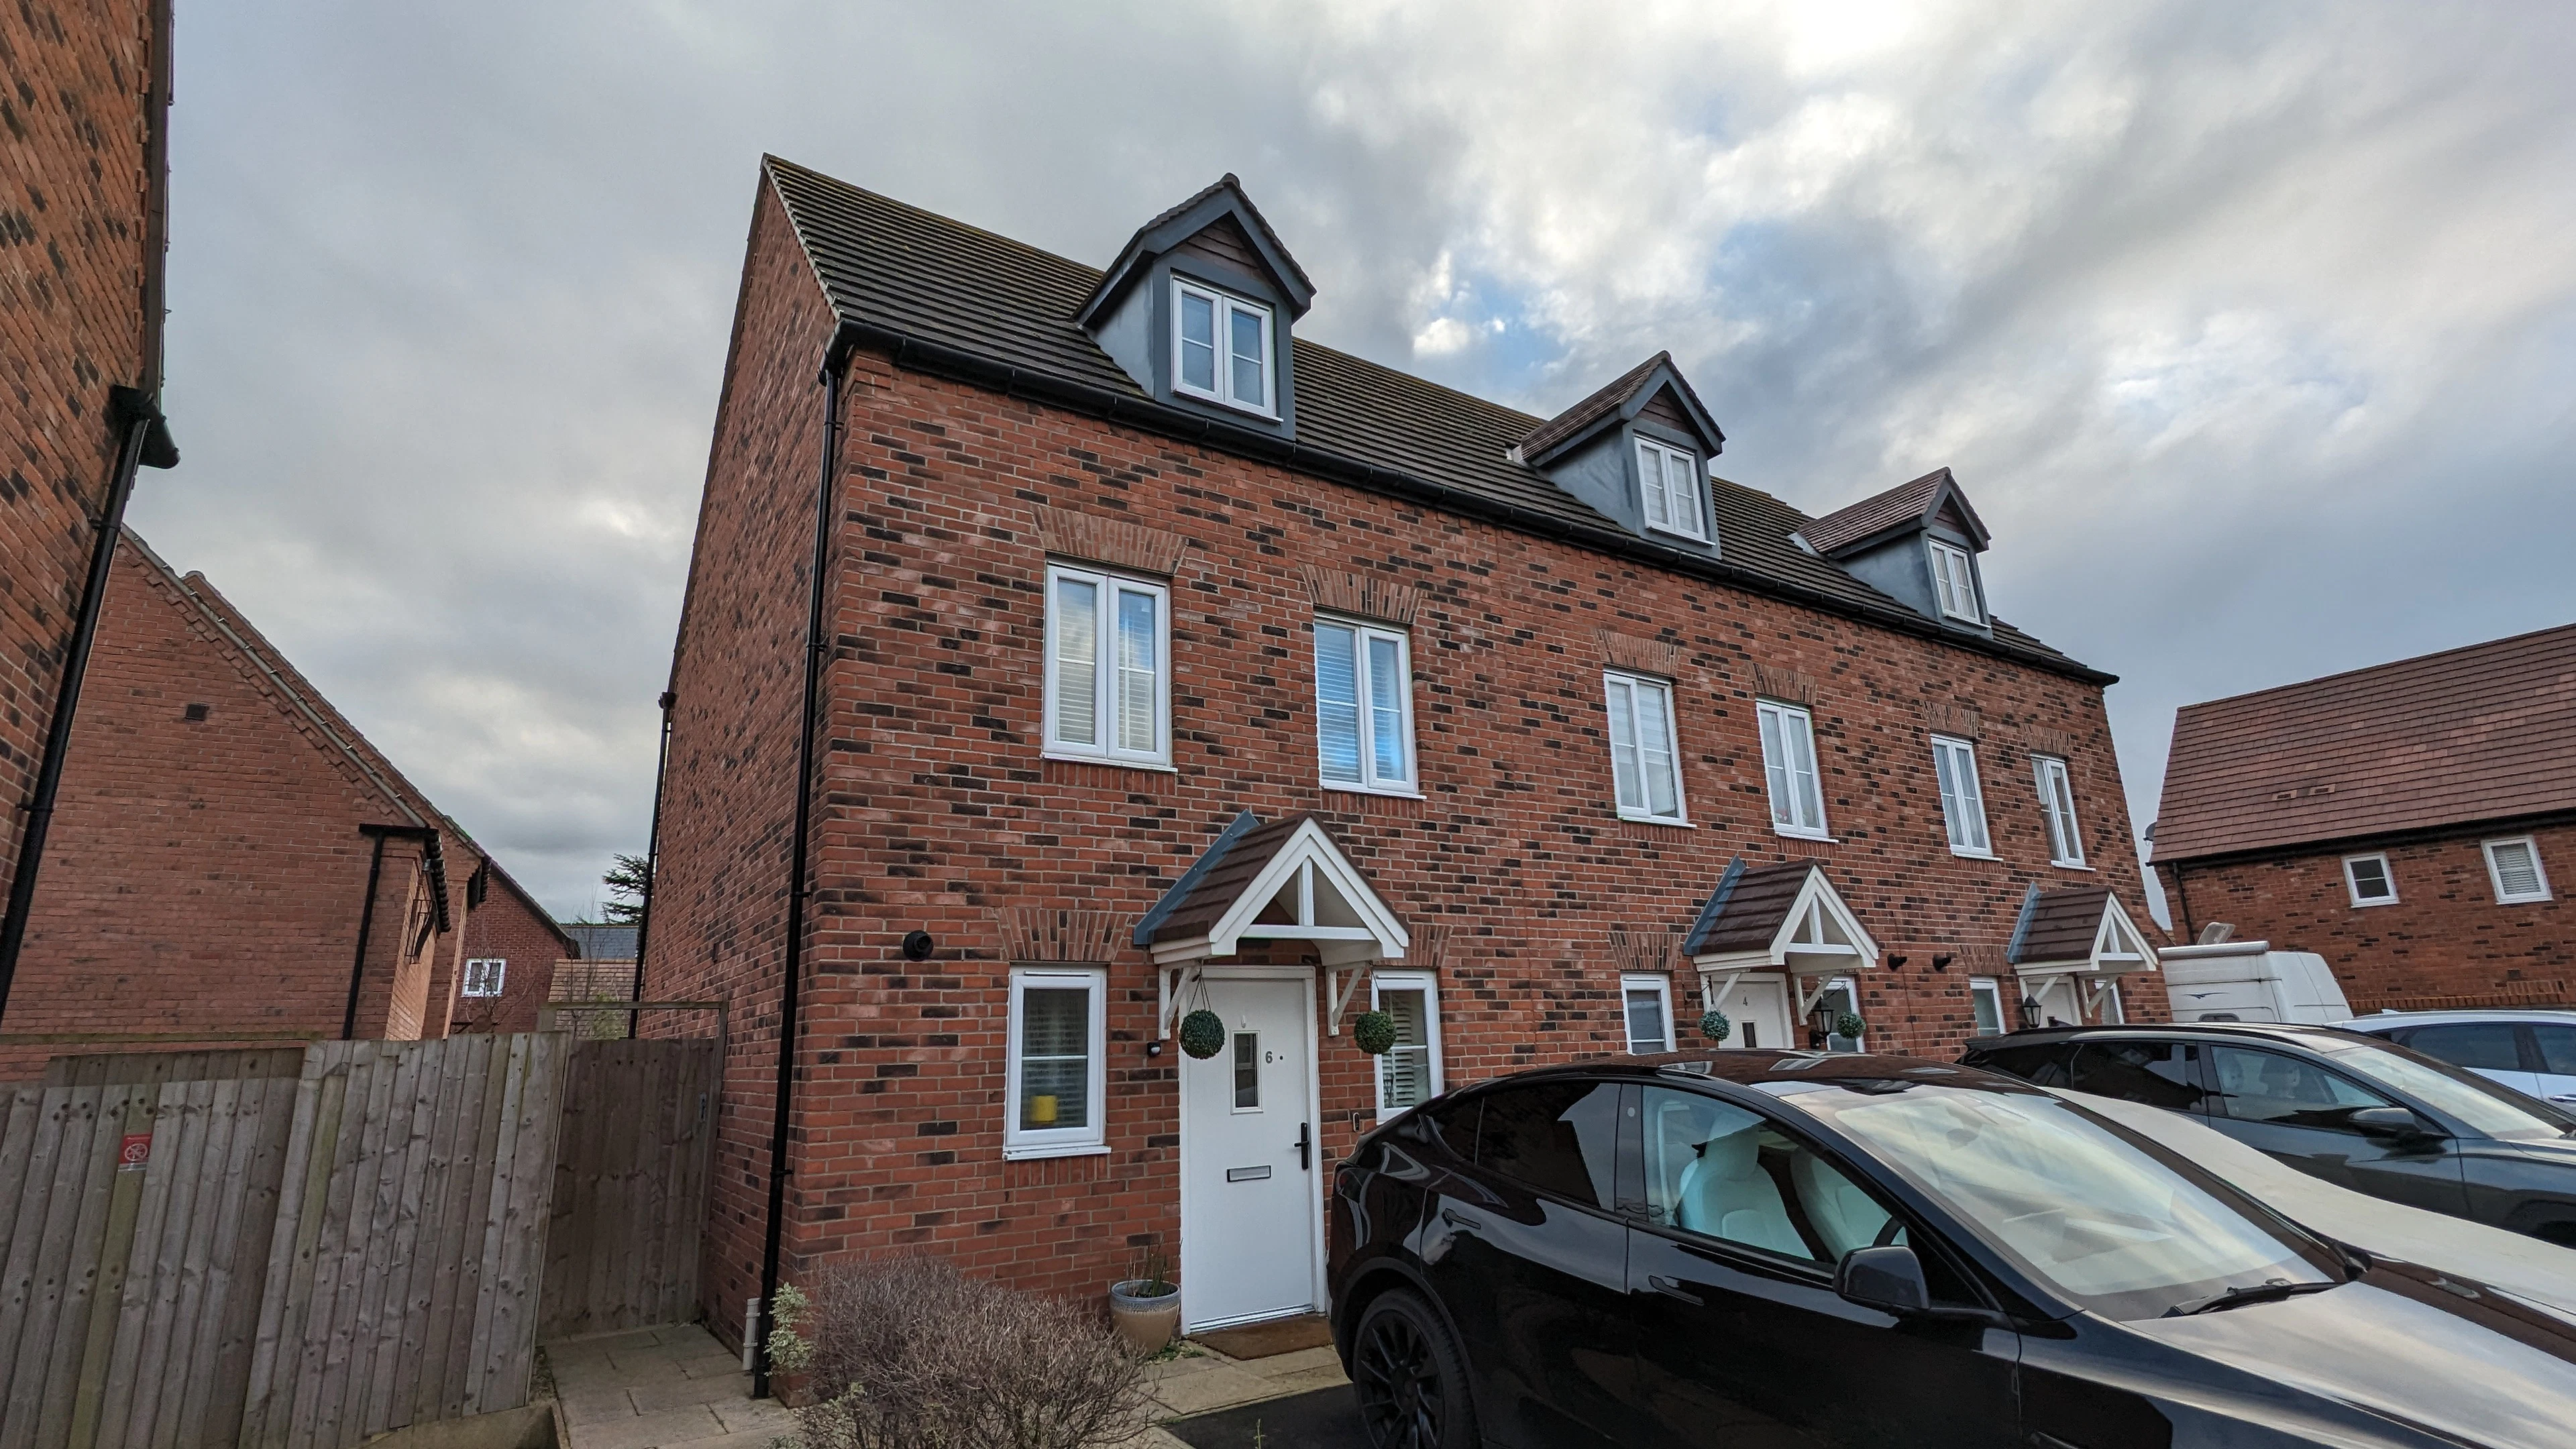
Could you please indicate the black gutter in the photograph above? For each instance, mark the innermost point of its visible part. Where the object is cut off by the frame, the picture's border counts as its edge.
(652, 861)
(816, 648)
(437, 864)
(940, 360)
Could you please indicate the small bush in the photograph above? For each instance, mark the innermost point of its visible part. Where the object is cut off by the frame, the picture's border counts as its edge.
(909, 1353)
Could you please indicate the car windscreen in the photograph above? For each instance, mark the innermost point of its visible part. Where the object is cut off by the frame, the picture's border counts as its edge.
(2110, 1224)
(2486, 1107)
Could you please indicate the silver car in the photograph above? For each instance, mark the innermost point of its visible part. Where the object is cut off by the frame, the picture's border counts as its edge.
(2533, 1052)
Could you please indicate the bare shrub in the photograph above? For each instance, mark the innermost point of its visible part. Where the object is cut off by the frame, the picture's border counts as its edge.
(909, 1353)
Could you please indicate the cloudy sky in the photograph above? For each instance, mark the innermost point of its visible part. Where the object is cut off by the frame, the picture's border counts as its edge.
(2250, 329)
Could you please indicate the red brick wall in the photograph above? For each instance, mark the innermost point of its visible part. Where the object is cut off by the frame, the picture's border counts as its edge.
(207, 874)
(938, 810)
(738, 674)
(2445, 937)
(507, 927)
(73, 75)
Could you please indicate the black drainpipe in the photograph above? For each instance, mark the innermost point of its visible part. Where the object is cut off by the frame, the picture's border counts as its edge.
(2182, 898)
(652, 863)
(816, 648)
(367, 909)
(145, 440)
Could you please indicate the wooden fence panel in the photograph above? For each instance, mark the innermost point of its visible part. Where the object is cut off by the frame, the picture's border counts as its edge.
(315, 1246)
(630, 1180)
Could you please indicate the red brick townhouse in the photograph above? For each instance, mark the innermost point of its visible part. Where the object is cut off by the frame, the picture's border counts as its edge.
(233, 858)
(84, 199)
(2413, 823)
(1171, 662)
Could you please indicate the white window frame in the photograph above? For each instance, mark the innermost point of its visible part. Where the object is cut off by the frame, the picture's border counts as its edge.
(1103, 683)
(1782, 717)
(484, 976)
(1970, 798)
(1662, 987)
(1612, 681)
(2387, 876)
(1991, 987)
(1092, 1138)
(1954, 580)
(1370, 781)
(1226, 304)
(2057, 807)
(1428, 983)
(2495, 877)
(1850, 987)
(1654, 489)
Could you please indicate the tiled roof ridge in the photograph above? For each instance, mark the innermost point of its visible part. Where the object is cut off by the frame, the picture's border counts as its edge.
(2345, 676)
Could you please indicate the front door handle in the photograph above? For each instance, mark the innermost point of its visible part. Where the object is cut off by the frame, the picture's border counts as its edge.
(1672, 1288)
(1460, 1221)
(1305, 1146)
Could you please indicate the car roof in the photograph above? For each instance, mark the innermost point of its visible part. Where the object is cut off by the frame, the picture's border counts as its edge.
(2390, 1020)
(2291, 1033)
(1751, 1066)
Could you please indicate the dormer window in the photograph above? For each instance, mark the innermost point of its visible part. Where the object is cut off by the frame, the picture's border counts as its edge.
(1675, 499)
(1957, 582)
(1221, 345)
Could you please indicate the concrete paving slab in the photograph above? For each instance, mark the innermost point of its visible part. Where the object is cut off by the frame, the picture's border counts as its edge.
(1287, 1365)
(595, 1404)
(748, 1415)
(650, 1431)
(672, 1393)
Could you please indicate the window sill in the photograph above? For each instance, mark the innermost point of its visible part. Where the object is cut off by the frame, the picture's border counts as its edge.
(1820, 837)
(2373, 905)
(1973, 854)
(1656, 820)
(1112, 761)
(2071, 865)
(1085, 1149)
(2524, 900)
(1684, 537)
(1229, 404)
(1970, 620)
(1343, 788)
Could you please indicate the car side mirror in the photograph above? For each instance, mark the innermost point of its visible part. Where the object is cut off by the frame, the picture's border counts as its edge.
(1888, 1279)
(2389, 1122)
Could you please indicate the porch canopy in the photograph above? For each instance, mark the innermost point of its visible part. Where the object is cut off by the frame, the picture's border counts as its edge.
(1786, 918)
(1286, 880)
(2079, 941)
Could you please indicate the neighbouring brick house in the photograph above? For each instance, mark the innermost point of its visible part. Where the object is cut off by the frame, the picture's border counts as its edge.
(2406, 822)
(84, 105)
(220, 832)
(513, 949)
(1177, 663)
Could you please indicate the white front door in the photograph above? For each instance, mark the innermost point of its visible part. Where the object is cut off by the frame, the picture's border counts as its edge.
(1757, 1014)
(1249, 1200)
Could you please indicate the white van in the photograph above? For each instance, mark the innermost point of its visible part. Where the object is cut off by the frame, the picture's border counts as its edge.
(2249, 981)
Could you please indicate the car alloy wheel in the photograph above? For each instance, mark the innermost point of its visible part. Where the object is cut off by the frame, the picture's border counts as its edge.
(1412, 1392)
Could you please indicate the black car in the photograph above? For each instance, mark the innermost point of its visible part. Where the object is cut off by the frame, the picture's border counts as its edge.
(1763, 1248)
(2355, 1110)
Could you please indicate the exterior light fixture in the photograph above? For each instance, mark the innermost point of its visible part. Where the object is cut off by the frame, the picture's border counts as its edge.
(2030, 1013)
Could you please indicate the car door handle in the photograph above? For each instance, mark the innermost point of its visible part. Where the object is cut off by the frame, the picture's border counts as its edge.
(1460, 1221)
(1672, 1288)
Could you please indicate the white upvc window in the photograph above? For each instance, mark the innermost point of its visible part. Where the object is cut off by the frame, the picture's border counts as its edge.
(1645, 762)
(1108, 667)
(1674, 488)
(2514, 866)
(2057, 802)
(1409, 1074)
(1789, 768)
(483, 976)
(2369, 880)
(1364, 707)
(1986, 999)
(1058, 1064)
(1221, 349)
(1955, 576)
(1646, 1004)
(1963, 804)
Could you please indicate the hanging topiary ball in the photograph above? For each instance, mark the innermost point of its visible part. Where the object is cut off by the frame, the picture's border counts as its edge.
(1203, 1033)
(1374, 1031)
(1715, 1026)
(1850, 1025)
